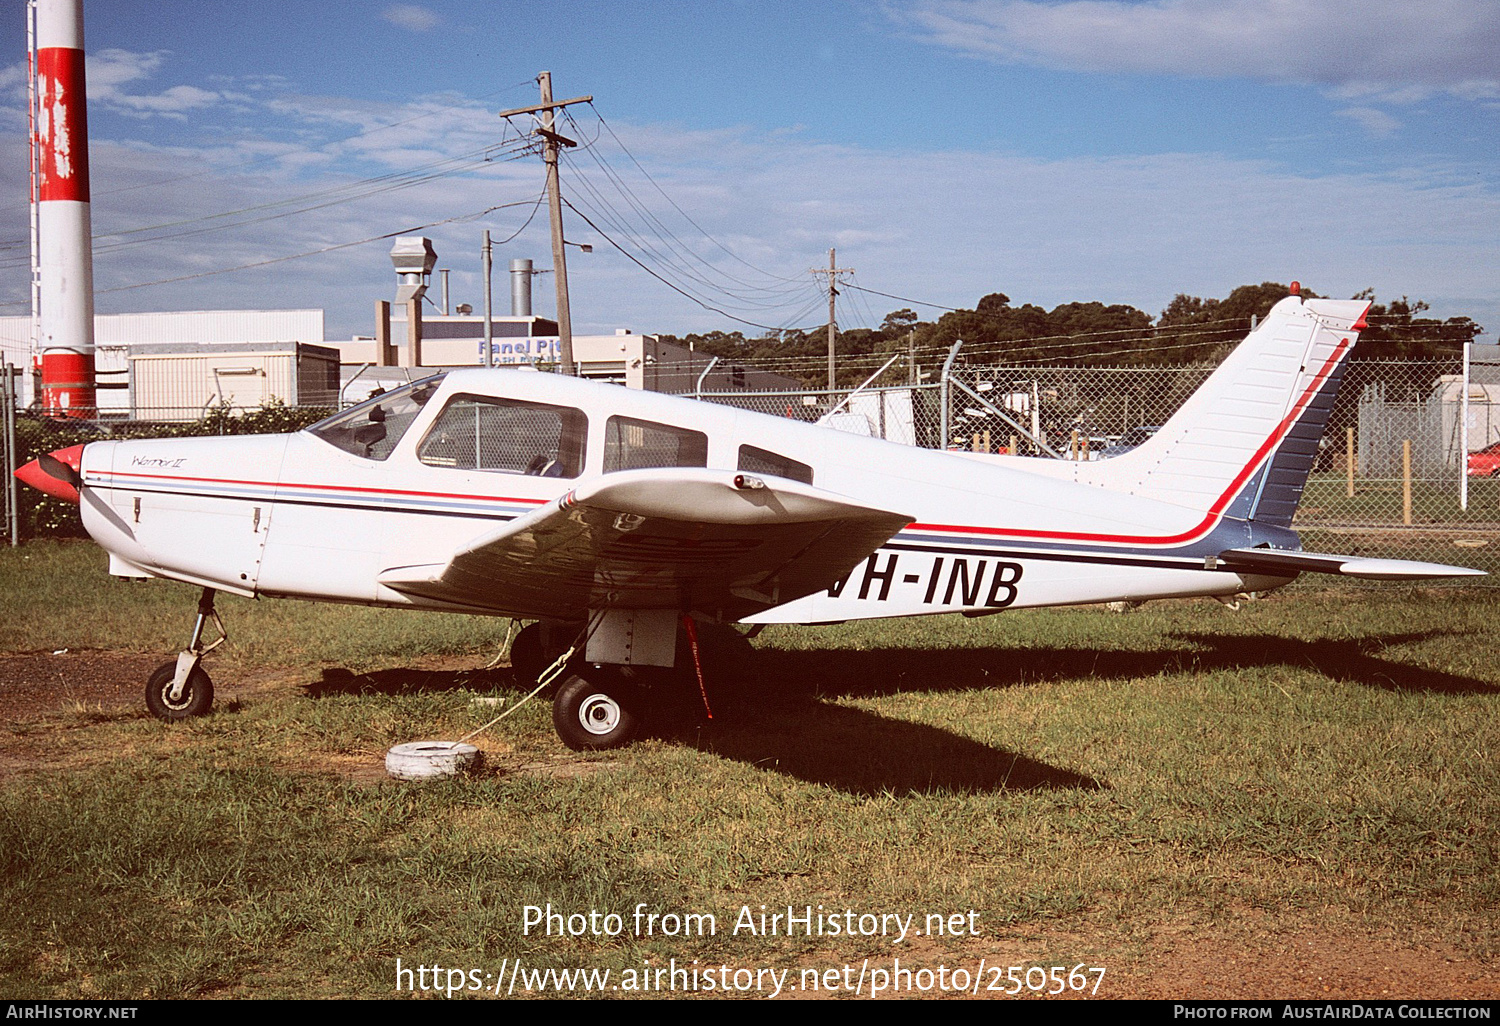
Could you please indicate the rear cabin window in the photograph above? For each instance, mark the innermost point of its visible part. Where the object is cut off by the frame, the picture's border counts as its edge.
(508, 436)
(637, 444)
(373, 428)
(763, 461)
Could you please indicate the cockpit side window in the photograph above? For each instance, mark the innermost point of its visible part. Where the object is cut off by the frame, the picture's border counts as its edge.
(374, 428)
(636, 444)
(508, 436)
(763, 461)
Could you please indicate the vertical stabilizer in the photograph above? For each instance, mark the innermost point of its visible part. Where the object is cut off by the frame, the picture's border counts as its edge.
(1244, 443)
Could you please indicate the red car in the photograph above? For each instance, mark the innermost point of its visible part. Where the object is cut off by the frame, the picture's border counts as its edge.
(1485, 462)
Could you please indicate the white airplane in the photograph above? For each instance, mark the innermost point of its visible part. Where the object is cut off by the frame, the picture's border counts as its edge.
(617, 518)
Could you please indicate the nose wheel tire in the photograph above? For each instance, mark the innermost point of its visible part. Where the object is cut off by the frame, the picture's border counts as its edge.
(592, 716)
(197, 696)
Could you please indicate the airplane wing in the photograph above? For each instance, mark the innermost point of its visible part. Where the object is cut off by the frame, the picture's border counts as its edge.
(1284, 563)
(719, 542)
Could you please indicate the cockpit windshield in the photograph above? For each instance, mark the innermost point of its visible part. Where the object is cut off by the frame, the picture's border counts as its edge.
(374, 427)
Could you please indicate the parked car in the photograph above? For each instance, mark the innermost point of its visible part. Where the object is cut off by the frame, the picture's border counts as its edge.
(1485, 462)
(1130, 440)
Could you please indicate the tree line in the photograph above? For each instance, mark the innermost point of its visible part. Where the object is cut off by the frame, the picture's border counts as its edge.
(1190, 330)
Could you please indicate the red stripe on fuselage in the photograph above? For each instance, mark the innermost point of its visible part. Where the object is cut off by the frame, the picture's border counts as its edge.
(320, 487)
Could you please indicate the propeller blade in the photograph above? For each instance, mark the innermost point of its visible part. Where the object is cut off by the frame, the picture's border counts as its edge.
(56, 468)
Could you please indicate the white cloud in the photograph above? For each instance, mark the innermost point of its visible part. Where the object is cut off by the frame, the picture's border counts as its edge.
(411, 17)
(108, 70)
(1376, 122)
(13, 79)
(170, 101)
(1395, 49)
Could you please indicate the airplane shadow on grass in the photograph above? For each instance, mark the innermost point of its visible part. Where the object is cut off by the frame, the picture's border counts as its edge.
(860, 752)
(877, 672)
(776, 716)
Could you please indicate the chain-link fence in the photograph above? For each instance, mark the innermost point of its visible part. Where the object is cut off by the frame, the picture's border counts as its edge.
(1409, 466)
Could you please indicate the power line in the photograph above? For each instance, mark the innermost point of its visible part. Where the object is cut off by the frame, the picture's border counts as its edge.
(669, 199)
(903, 299)
(679, 256)
(382, 184)
(670, 266)
(750, 294)
(630, 256)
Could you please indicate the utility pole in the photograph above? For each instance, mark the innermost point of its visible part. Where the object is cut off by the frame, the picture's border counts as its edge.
(833, 272)
(550, 142)
(489, 317)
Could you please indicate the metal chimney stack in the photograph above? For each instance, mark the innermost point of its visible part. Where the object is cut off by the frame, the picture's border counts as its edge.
(65, 257)
(520, 288)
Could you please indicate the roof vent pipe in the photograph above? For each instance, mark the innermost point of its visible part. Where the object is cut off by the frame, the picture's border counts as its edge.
(520, 288)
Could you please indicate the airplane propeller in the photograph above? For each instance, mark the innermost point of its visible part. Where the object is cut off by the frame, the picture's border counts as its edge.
(55, 473)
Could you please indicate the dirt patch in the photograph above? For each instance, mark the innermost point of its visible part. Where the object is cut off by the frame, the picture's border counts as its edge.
(34, 683)
(566, 769)
(1257, 957)
(1253, 958)
(46, 697)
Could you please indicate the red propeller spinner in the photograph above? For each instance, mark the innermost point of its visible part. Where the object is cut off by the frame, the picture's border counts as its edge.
(56, 473)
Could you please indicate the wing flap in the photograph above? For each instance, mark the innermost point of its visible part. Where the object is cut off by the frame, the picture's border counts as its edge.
(718, 542)
(1280, 562)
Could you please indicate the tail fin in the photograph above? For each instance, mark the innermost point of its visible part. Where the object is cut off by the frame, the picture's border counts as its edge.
(1244, 443)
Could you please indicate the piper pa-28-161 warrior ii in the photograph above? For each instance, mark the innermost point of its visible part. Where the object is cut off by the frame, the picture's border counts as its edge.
(616, 518)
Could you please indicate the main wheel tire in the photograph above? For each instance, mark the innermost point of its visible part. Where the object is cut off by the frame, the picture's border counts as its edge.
(527, 656)
(197, 694)
(591, 716)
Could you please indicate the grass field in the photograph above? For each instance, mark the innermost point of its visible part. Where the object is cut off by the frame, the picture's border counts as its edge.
(1134, 791)
(1381, 500)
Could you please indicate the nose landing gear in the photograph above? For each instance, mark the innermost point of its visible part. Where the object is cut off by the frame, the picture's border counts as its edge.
(182, 689)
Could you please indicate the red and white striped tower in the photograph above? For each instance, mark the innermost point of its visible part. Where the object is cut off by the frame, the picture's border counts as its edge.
(66, 317)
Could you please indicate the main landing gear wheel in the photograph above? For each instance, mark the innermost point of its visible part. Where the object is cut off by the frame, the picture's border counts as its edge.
(592, 716)
(197, 696)
(528, 656)
(537, 646)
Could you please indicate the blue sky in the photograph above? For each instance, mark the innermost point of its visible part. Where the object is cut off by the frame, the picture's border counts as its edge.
(1054, 151)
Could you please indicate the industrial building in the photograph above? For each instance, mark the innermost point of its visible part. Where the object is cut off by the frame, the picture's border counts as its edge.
(521, 339)
(174, 365)
(625, 358)
(240, 342)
